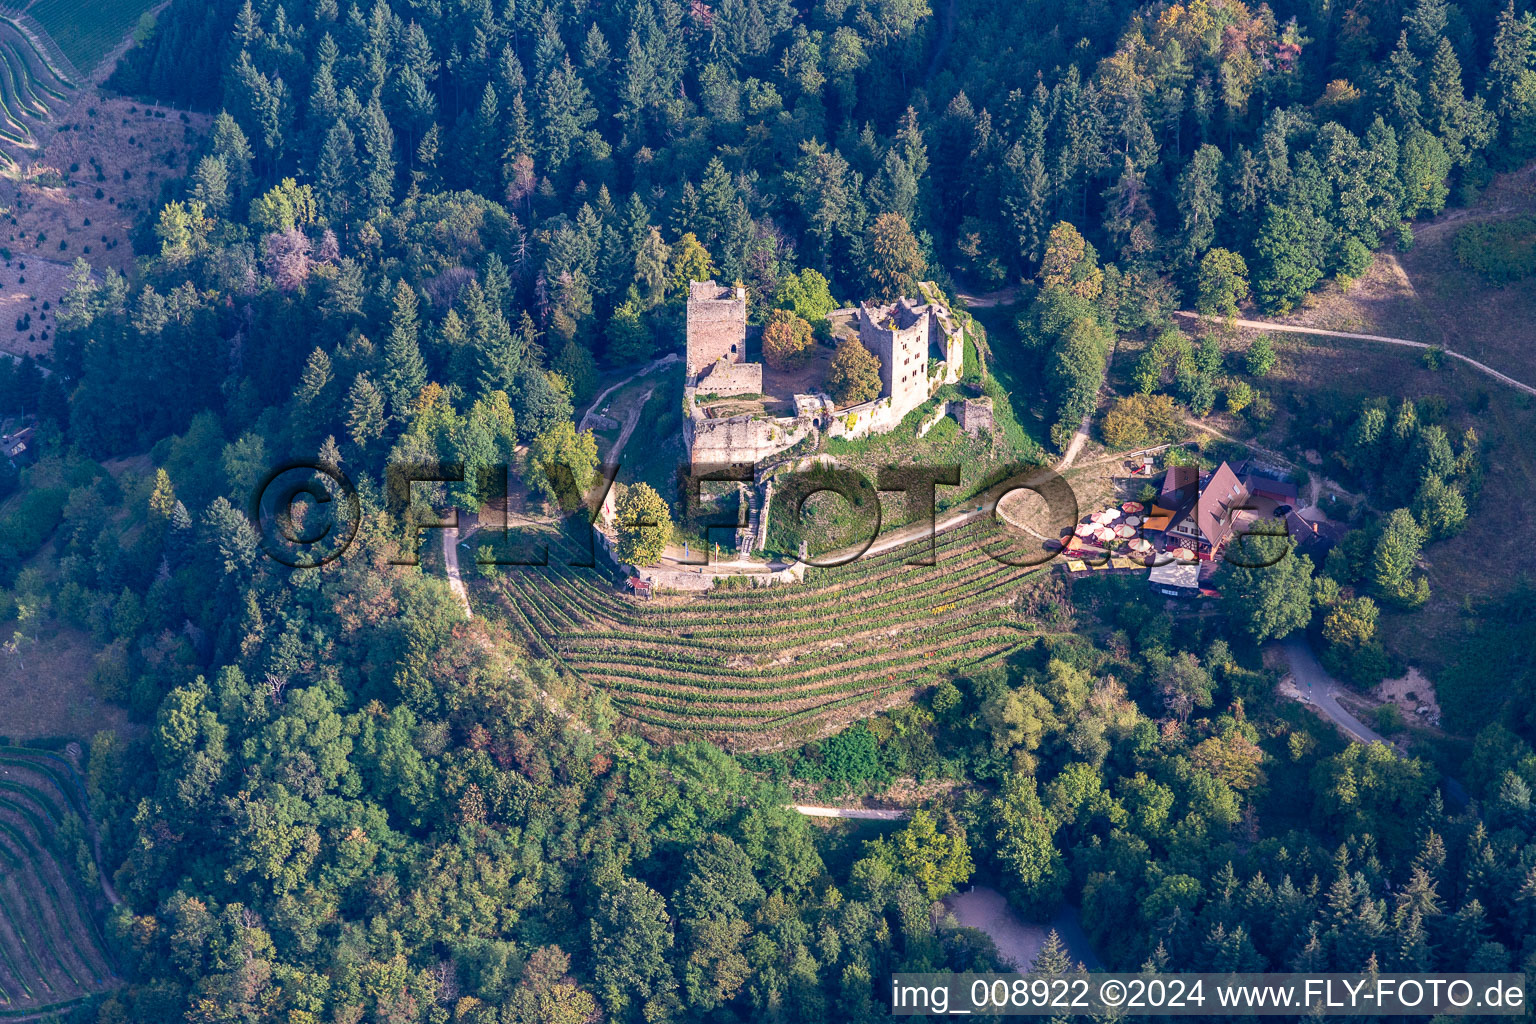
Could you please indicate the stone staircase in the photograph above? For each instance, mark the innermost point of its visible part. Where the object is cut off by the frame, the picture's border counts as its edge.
(746, 536)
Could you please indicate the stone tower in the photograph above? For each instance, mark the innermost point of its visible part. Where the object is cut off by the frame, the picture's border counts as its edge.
(717, 326)
(898, 334)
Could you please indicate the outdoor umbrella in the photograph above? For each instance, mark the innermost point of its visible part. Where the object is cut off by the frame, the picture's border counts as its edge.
(1131, 506)
(1125, 531)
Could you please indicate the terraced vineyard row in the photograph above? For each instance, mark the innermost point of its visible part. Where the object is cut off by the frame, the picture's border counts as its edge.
(33, 85)
(53, 952)
(755, 669)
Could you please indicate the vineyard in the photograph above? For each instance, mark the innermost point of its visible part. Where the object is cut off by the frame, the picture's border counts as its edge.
(33, 85)
(53, 953)
(87, 31)
(759, 668)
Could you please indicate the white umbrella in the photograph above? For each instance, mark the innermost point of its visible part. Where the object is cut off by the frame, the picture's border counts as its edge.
(1111, 514)
(1125, 531)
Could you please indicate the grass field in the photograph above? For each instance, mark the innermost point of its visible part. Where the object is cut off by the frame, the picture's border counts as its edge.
(53, 953)
(761, 669)
(88, 30)
(1426, 294)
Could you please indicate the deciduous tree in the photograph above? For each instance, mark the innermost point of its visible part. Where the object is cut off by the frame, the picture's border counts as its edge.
(854, 374)
(644, 525)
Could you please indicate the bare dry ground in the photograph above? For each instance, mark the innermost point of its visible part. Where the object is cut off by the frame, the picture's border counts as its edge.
(1426, 295)
(1410, 692)
(100, 169)
(45, 688)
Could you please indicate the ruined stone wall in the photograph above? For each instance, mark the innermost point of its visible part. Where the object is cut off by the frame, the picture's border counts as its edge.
(857, 421)
(744, 440)
(954, 351)
(974, 415)
(727, 378)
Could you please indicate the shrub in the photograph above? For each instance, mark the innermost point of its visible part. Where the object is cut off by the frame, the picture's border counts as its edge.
(1239, 396)
(1389, 719)
(1502, 251)
(1261, 356)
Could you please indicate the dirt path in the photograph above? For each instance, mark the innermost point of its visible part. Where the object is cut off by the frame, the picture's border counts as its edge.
(1266, 325)
(1002, 297)
(451, 561)
(629, 426)
(1078, 440)
(651, 367)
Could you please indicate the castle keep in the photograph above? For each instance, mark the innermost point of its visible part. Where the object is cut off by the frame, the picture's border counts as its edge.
(907, 339)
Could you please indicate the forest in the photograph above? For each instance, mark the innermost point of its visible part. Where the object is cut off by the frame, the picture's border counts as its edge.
(429, 231)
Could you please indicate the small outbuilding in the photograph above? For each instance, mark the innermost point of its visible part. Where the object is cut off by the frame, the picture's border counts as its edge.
(1176, 579)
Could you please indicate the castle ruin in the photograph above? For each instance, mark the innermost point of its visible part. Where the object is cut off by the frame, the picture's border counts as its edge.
(921, 347)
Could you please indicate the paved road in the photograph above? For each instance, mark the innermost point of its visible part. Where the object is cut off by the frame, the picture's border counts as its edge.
(850, 812)
(1265, 325)
(1314, 681)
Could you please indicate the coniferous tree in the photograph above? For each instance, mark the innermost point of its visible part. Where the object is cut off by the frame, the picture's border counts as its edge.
(896, 261)
(566, 109)
(365, 412)
(1199, 202)
(1398, 84)
(404, 369)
